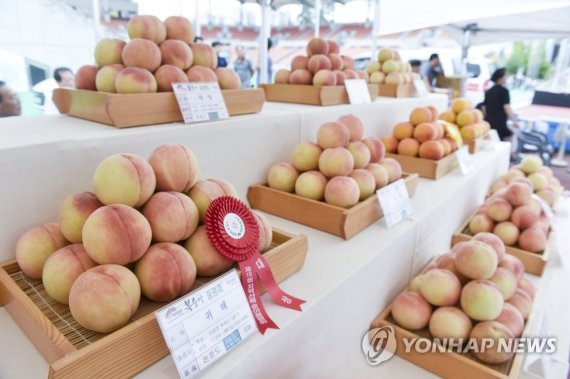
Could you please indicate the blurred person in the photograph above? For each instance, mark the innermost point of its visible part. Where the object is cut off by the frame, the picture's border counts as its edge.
(198, 39)
(416, 66)
(435, 69)
(9, 101)
(243, 67)
(222, 62)
(497, 105)
(269, 64)
(63, 77)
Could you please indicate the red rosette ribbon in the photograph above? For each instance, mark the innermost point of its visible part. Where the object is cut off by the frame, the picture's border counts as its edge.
(233, 232)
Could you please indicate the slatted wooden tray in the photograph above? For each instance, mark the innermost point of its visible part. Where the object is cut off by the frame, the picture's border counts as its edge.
(311, 95)
(426, 168)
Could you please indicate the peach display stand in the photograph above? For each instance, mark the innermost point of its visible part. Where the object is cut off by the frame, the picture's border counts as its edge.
(123, 111)
(426, 168)
(311, 95)
(74, 352)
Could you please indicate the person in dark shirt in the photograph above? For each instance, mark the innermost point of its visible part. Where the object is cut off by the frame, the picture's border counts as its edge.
(222, 62)
(497, 105)
(435, 69)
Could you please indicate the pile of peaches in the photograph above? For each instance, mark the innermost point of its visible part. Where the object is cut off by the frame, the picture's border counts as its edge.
(474, 292)
(138, 231)
(342, 168)
(390, 69)
(157, 55)
(470, 121)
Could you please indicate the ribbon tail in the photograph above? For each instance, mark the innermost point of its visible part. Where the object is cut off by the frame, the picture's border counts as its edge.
(261, 266)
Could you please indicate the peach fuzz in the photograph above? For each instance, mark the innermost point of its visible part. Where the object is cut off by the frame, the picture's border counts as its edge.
(73, 212)
(476, 260)
(393, 167)
(200, 74)
(390, 143)
(85, 77)
(481, 300)
(204, 55)
(317, 46)
(409, 147)
(333, 134)
(116, 234)
(265, 231)
(305, 156)
(324, 78)
(376, 147)
(342, 191)
(336, 161)
(360, 153)
(507, 232)
(380, 173)
(165, 272)
(499, 209)
(411, 310)
(227, 78)
(311, 184)
(175, 166)
(366, 182)
(299, 62)
(166, 75)
(319, 62)
(300, 76)
(354, 125)
(336, 61)
(440, 287)
(135, 80)
(425, 132)
(62, 268)
(36, 245)
(148, 27)
(521, 301)
(206, 191)
(505, 281)
(496, 331)
(420, 115)
(282, 76)
(142, 53)
(172, 216)
(207, 259)
(106, 76)
(104, 298)
(514, 265)
(460, 104)
(481, 223)
(178, 27)
(512, 318)
(108, 51)
(403, 130)
(494, 241)
(431, 150)
(282, 176)
(533, 240)
(124, 179)
(449, 322)
(177, 53)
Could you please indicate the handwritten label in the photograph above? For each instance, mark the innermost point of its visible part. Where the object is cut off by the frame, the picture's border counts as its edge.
(200, 102)
(204, 325)
(357, 90)
(395, 202)
(465, 160)
(421, 88)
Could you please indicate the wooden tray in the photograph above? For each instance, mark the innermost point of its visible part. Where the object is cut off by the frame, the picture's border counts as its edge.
(426, 168)
(534, 263)
(75, 352)
(450, 365)
(124, 111)
(311, 95)
(397, 90)
(479, 144)
(329, 218)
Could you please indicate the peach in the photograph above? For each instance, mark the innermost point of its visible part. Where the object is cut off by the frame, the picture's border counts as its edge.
(333, 47)
(311, 184)
(124, 179)
(317, 46)
(204, 55)
(106, 76)
(373, 66)
(301, 76)
(526, 285)
(460, 104)
(282, 176)
(228, 79)
(265, 231)
(498, 186)
(478, 115)
(336, 61)
(206, 191)
(340, 77)
(390, 66)
(499, 209)
(476, 260)
(498, 332)
(507, 232)
(324, 78)
(108, 51)
(282, 76)
(142, 53)
(299, 62)
(135, 80)
(366, 182)
(505, 281)
(513, 264)
(403, 130)
(360, 153)
(452, 143)
(391, 144)
(533, 240)
(376, 147)
(377, 77)
(546, 171)
(538, 181)
(548, 194)
(73, 212)
(440, 287)
(481, 223)
(494, 241)
(434, 112)
(425, 132)
(420, 115)
(531, 164)
(85, 78)
(354, 126)
(416, 284)
(178, 27)
(349, 73)
(380, 173)
(104, 298)
(513, 174)
(393, 167)
(448, 116)
(336, 161)
(201, 74)
(481, 300)
(518, 194)
(524, 217)
(333, 134)
(36, 245)
(177, 53)
(409, 147)
(447, 262)
(521, 301)
(411, 311)
(116, 234)
(305, 156)
(207, 259)
(148, 27)
(440, 131)
(166, 75)
(449, 322)
(175, 166)
(431, 150)
(512, 318)
(465, 118)
(165, 272)
(524, 181)
(469, 133)
(342, 191)
(385, 53)
(394, 78)
(172, 216)
(319, 62)
(62, 268)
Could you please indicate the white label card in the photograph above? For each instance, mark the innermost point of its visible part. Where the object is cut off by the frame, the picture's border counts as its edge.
(465, 160)
(357, 90)
(200, 101)
(395, 202)
(421, 88)
(204, 325)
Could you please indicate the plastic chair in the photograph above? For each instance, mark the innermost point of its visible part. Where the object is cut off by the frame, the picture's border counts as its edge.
(532, 142)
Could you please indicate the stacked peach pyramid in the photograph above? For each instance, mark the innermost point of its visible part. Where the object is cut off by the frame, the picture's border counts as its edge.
(390, 69)
(470, 121)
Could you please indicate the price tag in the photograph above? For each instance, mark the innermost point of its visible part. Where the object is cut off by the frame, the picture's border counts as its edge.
(204, 325)
(200, 101)
(395, 202)
(357, 91)
(421, 88)
(465, 160)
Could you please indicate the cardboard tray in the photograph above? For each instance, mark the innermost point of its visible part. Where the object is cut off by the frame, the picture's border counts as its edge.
(311, 95)
(534, 263)
(450, 365)
(397, 90)
(75, 352)
(124, 111)
(426, 168)
(329, 218)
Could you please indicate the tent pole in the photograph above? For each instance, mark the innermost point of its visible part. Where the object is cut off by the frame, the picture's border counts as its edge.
(263, 37)
(561, 64)
(317, 18)
(375, 28)
(96, 19)
(197, 25)
(464, 54)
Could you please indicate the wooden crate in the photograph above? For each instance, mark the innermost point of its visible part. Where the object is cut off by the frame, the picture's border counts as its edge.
(397, 90)
(329, 218)
(311, 95)
(479, 144)
(426, 168)
(124, 111)
(75, 352)
(534, 263)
